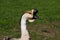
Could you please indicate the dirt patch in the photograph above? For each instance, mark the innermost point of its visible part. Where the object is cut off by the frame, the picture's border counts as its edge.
(46, 30)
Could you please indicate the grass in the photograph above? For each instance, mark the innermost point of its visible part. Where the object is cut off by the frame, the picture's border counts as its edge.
(49, 18)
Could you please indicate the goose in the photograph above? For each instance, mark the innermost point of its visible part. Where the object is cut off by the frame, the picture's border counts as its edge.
(30, 16)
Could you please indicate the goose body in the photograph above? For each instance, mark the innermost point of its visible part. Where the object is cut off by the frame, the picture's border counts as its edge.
(30, 16)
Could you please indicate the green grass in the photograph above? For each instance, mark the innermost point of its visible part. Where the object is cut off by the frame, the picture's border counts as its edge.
(49, 18)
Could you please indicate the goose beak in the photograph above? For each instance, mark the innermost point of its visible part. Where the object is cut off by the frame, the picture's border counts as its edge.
(35, 14)
(35, 17)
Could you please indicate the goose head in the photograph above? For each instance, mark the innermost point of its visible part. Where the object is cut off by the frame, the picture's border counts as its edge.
(32, 15)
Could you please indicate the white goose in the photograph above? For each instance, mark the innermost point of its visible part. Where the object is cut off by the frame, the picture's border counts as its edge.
(30, 16)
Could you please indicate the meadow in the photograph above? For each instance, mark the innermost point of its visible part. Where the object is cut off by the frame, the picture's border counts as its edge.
(49, 18)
